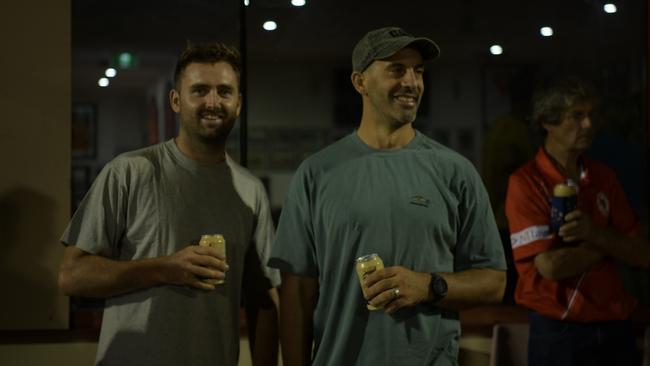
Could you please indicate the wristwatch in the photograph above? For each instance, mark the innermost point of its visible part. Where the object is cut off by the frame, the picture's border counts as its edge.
(438, 287)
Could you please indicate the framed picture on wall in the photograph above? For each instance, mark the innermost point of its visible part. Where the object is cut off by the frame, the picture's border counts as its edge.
(84, 131)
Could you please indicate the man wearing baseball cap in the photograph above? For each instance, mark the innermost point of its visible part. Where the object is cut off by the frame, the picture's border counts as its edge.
(385, 189)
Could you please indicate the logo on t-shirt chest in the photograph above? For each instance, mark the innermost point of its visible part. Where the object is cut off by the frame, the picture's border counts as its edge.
(420, 200)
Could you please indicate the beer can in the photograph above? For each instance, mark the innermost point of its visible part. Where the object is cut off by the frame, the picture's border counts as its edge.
(365, 265)
(564, 200)
(216, 241)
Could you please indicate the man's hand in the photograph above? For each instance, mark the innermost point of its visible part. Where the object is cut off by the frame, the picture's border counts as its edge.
(631, 250)
(579, 227)
(190, 265)
(396, 287)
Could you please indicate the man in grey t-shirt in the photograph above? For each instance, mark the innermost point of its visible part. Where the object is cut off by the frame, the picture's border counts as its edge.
(390, 190)
(134, 238)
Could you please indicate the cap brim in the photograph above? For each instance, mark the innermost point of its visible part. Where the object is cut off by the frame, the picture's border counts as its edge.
(428, 49)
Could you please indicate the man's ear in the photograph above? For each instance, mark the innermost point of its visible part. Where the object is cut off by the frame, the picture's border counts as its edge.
(358, 81)
(175, 100)
(239, 102)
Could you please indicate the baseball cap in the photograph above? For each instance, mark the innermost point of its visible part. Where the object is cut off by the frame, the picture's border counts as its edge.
(385, 42)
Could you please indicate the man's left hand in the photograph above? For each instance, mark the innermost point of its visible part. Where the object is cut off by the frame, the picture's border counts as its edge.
(396, 287)
(579, 227)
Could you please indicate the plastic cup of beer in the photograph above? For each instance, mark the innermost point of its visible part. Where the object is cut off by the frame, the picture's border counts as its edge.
(365, 265)
(218, 242)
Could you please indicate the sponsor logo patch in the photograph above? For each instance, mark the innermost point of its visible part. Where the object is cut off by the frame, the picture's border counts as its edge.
(530, 235)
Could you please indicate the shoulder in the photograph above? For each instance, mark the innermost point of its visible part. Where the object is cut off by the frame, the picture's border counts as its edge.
(449, 163)
(598, 169)
(336, 154)
(249, 187)
(527, 172)
(140, 165)
(142, 158)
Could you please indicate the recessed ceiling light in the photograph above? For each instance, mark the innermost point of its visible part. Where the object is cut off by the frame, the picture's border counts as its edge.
(546, 31)
(103, 82)
(298, 2)
(110, 72)
(609, 8)
(247, 2)
(270, 25)
(496, 49)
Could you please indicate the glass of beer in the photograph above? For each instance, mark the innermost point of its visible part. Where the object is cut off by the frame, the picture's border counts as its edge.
(365, 265)
(215, 241)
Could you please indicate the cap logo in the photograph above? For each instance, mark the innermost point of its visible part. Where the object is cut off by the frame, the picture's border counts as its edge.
(398, 33)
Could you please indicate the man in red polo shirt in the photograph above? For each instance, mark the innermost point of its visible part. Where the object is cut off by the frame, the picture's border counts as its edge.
(568, 279)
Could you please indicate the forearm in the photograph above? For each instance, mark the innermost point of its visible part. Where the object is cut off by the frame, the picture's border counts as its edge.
(633, 251)
(96, 276)
(266, 342)
(567, 262)
(474, 287)
(297, 302)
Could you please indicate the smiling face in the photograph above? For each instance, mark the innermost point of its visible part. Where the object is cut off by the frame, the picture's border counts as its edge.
(392, 88)
(208, 101)
(575, 131)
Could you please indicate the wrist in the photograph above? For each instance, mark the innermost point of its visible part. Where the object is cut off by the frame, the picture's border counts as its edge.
(437, 289)
(158, 270)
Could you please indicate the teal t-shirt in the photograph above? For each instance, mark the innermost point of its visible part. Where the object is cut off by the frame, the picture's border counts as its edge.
(422, 207)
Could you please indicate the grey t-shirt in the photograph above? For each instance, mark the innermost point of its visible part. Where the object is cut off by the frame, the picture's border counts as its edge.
(422, 207)
(153, 202)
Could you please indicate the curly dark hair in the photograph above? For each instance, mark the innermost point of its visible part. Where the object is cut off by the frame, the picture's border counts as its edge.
(208, 53)
(553, 99)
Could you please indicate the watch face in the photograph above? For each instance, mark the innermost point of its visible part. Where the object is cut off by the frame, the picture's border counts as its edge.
(439, 287)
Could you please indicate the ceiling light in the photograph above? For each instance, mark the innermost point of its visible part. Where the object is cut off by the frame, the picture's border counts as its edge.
(103, 82)
(110, 72)
(270, 25)
(298, 2)
(609, 8)
(247, 2)
(546, 31)
(496, 49)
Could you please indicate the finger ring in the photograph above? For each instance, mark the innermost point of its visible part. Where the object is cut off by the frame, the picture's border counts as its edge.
(396, 292)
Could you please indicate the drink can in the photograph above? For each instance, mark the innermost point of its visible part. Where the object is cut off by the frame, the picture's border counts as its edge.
(216, 241)
(564, 200)
(365, 265)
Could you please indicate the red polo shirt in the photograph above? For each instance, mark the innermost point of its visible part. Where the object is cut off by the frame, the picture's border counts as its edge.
(596, 295)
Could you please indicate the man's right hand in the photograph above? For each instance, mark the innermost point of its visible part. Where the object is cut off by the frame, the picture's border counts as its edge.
(192, 264)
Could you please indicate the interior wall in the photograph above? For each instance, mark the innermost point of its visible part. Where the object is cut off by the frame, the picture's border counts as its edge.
(35, 161)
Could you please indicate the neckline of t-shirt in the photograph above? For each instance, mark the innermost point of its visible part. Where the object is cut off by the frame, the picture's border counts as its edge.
(190, 163)
(414, 141)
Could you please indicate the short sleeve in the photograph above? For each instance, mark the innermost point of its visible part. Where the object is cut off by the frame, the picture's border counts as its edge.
(528, 218)
(294, 248)
(100, 220)
(479, 244)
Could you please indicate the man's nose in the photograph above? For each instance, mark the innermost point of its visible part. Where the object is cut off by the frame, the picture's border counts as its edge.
(410, 77)
(212, 99)
(587, 122)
